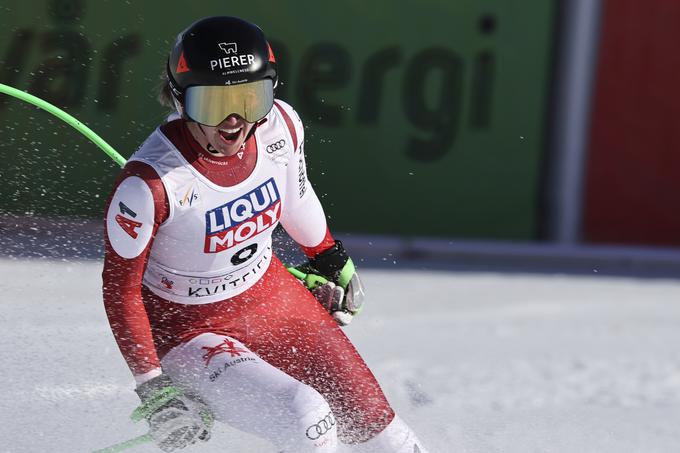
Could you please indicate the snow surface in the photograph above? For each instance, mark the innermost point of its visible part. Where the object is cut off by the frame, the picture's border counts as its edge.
(474, 362)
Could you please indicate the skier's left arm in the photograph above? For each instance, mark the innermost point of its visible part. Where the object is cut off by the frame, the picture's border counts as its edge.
(304, 220)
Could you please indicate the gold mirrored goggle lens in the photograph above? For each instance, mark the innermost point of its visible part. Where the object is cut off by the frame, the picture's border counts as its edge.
(210, 105)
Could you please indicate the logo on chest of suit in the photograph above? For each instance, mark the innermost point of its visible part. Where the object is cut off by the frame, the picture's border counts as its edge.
(276, 146)
(188, 196)
(243, 218)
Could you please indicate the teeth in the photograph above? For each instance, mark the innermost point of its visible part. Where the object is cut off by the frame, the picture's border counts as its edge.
(231, 131)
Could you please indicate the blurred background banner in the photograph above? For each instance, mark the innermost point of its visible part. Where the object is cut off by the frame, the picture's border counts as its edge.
(424, 118)
(633, 173)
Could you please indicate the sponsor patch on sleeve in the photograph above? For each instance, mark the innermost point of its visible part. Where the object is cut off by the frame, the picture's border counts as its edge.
(129, 220)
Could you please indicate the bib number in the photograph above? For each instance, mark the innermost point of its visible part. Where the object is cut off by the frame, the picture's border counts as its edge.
(244, 254)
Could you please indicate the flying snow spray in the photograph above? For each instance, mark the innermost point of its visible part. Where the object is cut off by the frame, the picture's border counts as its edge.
(310, 280)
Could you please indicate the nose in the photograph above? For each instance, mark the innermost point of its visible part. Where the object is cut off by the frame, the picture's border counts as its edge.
(232, 120)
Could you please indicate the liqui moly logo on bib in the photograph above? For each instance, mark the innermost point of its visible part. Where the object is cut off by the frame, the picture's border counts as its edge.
(243, 218)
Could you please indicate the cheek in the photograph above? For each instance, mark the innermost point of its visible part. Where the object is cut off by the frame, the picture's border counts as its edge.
(207, 131)
(212, 135)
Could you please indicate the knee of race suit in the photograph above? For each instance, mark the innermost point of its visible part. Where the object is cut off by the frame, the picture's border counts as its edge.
(253, 396)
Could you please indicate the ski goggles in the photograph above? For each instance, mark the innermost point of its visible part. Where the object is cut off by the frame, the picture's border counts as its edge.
(210, 105)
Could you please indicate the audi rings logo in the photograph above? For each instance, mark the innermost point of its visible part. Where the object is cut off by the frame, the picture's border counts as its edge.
(322, 427)
(276, 146)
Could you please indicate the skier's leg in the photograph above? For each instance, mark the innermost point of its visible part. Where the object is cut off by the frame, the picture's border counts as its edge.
(292, 331)
(295, 334)
(249, 394)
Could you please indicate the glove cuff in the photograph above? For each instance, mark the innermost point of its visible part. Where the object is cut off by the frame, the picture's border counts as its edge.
(154, 394)
(346, 273)
(332, 262)
(148, 388)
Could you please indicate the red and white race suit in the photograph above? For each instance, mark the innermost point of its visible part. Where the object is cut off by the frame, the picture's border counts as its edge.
(193, 287)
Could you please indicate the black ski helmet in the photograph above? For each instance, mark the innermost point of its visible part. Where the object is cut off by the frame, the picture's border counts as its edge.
(219, 66)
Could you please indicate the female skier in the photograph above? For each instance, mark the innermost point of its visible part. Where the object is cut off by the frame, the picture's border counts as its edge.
(211, 324)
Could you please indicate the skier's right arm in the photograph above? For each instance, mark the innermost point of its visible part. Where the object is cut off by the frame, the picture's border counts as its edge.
(136, 208)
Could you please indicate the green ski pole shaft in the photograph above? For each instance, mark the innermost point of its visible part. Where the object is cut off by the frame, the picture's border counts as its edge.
(62, 115)
(120, 160)
(144, 438)
(311, 281)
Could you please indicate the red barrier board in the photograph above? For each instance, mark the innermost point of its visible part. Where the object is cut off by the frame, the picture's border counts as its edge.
(632, 193)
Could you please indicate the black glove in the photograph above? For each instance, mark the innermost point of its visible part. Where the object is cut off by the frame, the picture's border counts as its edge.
(175, 418)
(343, 294)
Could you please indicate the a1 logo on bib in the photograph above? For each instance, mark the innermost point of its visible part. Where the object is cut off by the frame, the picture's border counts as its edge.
(243, 218)
(129, 218)
(128, 225)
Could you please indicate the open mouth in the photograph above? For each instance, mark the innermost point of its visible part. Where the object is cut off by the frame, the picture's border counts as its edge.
(230, 135)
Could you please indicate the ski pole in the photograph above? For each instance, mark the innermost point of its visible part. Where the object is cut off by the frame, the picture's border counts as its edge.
(62, 115)
(139, 440)
(120, 160)
(311, 281)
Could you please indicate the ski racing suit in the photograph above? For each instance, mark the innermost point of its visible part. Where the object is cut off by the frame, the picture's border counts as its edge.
(192, 287)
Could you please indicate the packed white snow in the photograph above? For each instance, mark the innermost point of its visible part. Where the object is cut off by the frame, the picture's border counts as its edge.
(473, 362)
